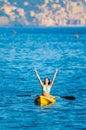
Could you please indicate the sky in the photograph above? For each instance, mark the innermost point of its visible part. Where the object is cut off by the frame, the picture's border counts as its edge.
(42, 12)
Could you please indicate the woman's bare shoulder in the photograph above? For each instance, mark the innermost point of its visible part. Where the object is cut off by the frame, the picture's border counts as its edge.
(42, 85)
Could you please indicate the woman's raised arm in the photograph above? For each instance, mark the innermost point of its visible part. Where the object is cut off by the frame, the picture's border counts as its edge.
(41, 83)
(54, 77)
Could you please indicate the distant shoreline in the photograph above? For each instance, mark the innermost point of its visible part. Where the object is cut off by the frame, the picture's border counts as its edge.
(69, 26)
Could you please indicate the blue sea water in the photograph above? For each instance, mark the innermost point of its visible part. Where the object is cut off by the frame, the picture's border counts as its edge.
(22, 50)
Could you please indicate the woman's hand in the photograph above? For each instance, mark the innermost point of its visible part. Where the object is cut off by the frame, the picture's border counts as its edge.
(56, 70)
(54, 77)
(38, 76)
(35, 70)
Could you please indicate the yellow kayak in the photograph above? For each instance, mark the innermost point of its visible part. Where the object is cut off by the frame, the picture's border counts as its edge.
(43, 101)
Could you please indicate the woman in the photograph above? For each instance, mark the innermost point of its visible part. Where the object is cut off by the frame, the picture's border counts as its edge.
(47, 85)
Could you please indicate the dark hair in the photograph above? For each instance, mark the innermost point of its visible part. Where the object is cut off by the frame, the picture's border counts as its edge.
(48, 80)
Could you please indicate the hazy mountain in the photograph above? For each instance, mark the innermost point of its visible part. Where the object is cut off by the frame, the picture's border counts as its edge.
(42, 12)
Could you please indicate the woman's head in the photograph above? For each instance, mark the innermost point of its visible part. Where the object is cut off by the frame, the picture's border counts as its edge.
(47, 81)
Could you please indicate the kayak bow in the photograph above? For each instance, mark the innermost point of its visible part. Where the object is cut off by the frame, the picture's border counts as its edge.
(43, 101)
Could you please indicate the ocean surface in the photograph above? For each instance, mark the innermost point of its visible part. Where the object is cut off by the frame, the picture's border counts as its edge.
(23, 49)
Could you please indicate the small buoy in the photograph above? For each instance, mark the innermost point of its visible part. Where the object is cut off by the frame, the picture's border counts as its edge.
(14, 32)
(76, 35)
